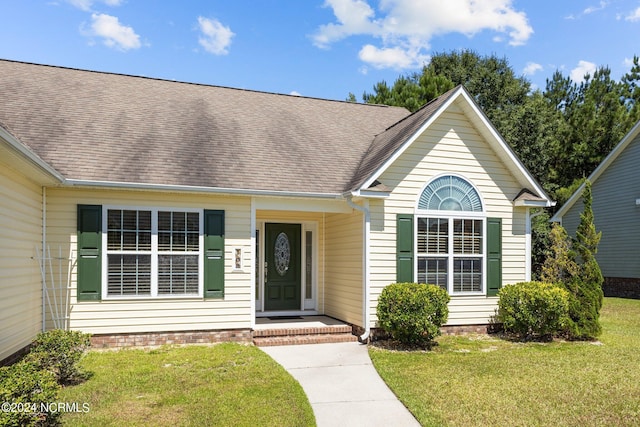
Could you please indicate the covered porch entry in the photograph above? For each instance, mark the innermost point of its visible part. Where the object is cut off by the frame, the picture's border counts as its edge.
(308, 260)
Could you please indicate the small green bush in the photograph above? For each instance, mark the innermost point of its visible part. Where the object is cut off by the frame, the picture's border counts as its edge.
(26, 393)
(413, 313)
(59, 352)
(533, 310)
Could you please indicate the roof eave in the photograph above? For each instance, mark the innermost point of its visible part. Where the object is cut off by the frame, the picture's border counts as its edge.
(628, 138)
(534, 203)
(369, 194)
(30, 156)
(199, 189)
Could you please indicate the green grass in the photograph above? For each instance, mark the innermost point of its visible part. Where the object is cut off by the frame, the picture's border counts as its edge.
(221, 385)
(482, 380)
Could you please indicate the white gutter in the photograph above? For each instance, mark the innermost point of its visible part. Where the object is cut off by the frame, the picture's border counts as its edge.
(44, 245)
(198, 189)
(365, 267)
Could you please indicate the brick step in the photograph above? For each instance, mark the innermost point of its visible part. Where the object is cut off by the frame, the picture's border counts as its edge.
(297, 339)
(312, 330)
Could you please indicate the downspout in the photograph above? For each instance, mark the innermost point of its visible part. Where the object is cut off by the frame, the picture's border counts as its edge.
(44, 245)
(529, 221)
(365, 266)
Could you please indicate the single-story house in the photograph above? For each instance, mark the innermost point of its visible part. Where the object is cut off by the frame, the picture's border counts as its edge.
(183, 207)
(615, 189)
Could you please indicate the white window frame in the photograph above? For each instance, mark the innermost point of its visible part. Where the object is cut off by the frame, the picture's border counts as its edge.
(154, 252)
(450, 216)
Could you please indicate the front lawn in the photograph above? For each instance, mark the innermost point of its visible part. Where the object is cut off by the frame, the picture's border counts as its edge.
(224, 385)
(482, 380)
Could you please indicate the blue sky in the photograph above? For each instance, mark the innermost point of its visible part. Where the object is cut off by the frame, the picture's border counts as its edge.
(317, 48)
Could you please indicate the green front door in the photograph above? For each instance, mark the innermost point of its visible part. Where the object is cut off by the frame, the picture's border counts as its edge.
(282, 257)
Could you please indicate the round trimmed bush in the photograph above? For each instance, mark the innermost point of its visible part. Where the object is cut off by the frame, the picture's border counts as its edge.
(413, 313)
(533, 310)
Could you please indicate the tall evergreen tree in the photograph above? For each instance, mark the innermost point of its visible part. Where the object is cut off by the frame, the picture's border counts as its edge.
(587, 285)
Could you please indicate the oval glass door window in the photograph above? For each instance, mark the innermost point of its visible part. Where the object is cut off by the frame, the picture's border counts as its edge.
(282, 253)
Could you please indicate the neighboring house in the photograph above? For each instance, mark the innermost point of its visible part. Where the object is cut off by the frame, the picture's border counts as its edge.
(616, 209)
(187, 207)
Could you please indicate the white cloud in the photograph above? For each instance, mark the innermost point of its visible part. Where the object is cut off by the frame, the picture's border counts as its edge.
(584, 67)
(86, 5)
(114, 34)
(295, 93)
(353, 16)
(215, 38)
(531, 68)
(592, 9)
(406, 27)
(633, 16)
(395, 57)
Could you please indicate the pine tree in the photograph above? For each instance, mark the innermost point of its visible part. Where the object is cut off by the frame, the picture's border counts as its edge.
(587, 286)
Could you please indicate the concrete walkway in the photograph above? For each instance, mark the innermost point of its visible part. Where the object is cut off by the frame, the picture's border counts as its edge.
(342, 385)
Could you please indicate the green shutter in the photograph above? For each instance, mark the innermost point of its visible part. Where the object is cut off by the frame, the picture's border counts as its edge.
(404, 248)
(89, 252)
(494, 255)
(213, 254)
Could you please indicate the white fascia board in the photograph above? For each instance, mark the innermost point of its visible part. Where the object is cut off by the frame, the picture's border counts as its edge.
(30, 156)
(630, 136)
(534, 203)
(410, 141)
(197, 189)
(368, 194)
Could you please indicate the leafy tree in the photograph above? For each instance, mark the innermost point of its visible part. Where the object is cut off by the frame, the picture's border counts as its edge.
(540, 243)
(560, 265)
(410, 92)
(532, 129)
(490, 79)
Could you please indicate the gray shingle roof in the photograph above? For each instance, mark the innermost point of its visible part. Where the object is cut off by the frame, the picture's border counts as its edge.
(387, 142)
(109, 127)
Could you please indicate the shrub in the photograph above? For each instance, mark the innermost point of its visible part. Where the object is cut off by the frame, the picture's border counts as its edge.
(413, 313)
(26, 392)
(533, 310)
(584, 313)
(59, 351)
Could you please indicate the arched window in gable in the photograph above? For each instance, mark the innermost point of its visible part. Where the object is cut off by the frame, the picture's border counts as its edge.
(450, 193)
(451, 236)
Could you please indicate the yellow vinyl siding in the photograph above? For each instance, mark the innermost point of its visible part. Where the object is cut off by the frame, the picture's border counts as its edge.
(20, 279)
(451, 145)
(157, 315)
(344, 268)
